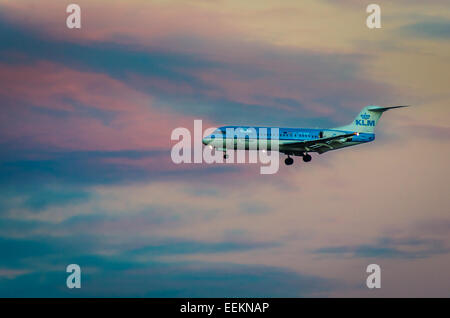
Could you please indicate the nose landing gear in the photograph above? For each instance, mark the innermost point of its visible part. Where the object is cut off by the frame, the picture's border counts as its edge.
(288, 161)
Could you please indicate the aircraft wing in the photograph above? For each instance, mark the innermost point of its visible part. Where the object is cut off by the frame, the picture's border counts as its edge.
(317, 144)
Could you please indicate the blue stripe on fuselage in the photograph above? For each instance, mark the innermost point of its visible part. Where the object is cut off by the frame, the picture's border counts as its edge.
(283, 133)
(293, 134)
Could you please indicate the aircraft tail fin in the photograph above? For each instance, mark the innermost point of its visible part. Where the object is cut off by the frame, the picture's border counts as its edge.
(367, 119)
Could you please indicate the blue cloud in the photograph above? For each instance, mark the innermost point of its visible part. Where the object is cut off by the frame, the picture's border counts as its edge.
(429, 29)
(255, 208)
(21, 172)
(389, 248)
(134, 274)
(192, 247)
(42, 199)
(169, 280)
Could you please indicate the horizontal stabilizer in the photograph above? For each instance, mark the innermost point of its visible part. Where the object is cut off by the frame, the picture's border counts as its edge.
(383, 109)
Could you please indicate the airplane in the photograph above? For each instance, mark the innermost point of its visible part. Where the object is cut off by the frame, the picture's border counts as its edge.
(299, 141)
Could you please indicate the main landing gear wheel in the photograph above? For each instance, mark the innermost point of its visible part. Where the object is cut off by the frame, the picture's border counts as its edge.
(307, 158)
(288, 161)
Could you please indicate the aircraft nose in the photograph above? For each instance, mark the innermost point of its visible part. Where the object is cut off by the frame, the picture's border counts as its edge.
(206, 140)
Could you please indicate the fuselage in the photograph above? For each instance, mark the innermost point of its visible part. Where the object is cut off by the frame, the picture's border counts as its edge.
(287, 139)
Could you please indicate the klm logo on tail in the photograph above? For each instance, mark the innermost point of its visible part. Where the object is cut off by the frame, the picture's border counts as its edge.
(364, 121)
(367, 119)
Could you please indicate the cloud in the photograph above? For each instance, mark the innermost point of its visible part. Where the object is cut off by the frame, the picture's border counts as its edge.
(410, 248)
(169, 280)
(186, 247)
(429, 29)
(39, 173)
(46, 105)
(42, 272)
(436, 132)
(67, 168)
(218, 87)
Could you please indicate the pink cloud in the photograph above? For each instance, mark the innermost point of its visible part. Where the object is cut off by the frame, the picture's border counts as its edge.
(36, 92)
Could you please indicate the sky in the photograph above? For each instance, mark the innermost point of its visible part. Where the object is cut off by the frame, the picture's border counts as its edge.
(86, 175)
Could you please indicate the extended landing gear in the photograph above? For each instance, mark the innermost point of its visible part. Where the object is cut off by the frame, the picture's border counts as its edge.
(288, 161)
(307, 157)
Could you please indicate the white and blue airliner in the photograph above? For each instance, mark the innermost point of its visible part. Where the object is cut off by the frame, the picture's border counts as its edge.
(299, 141)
